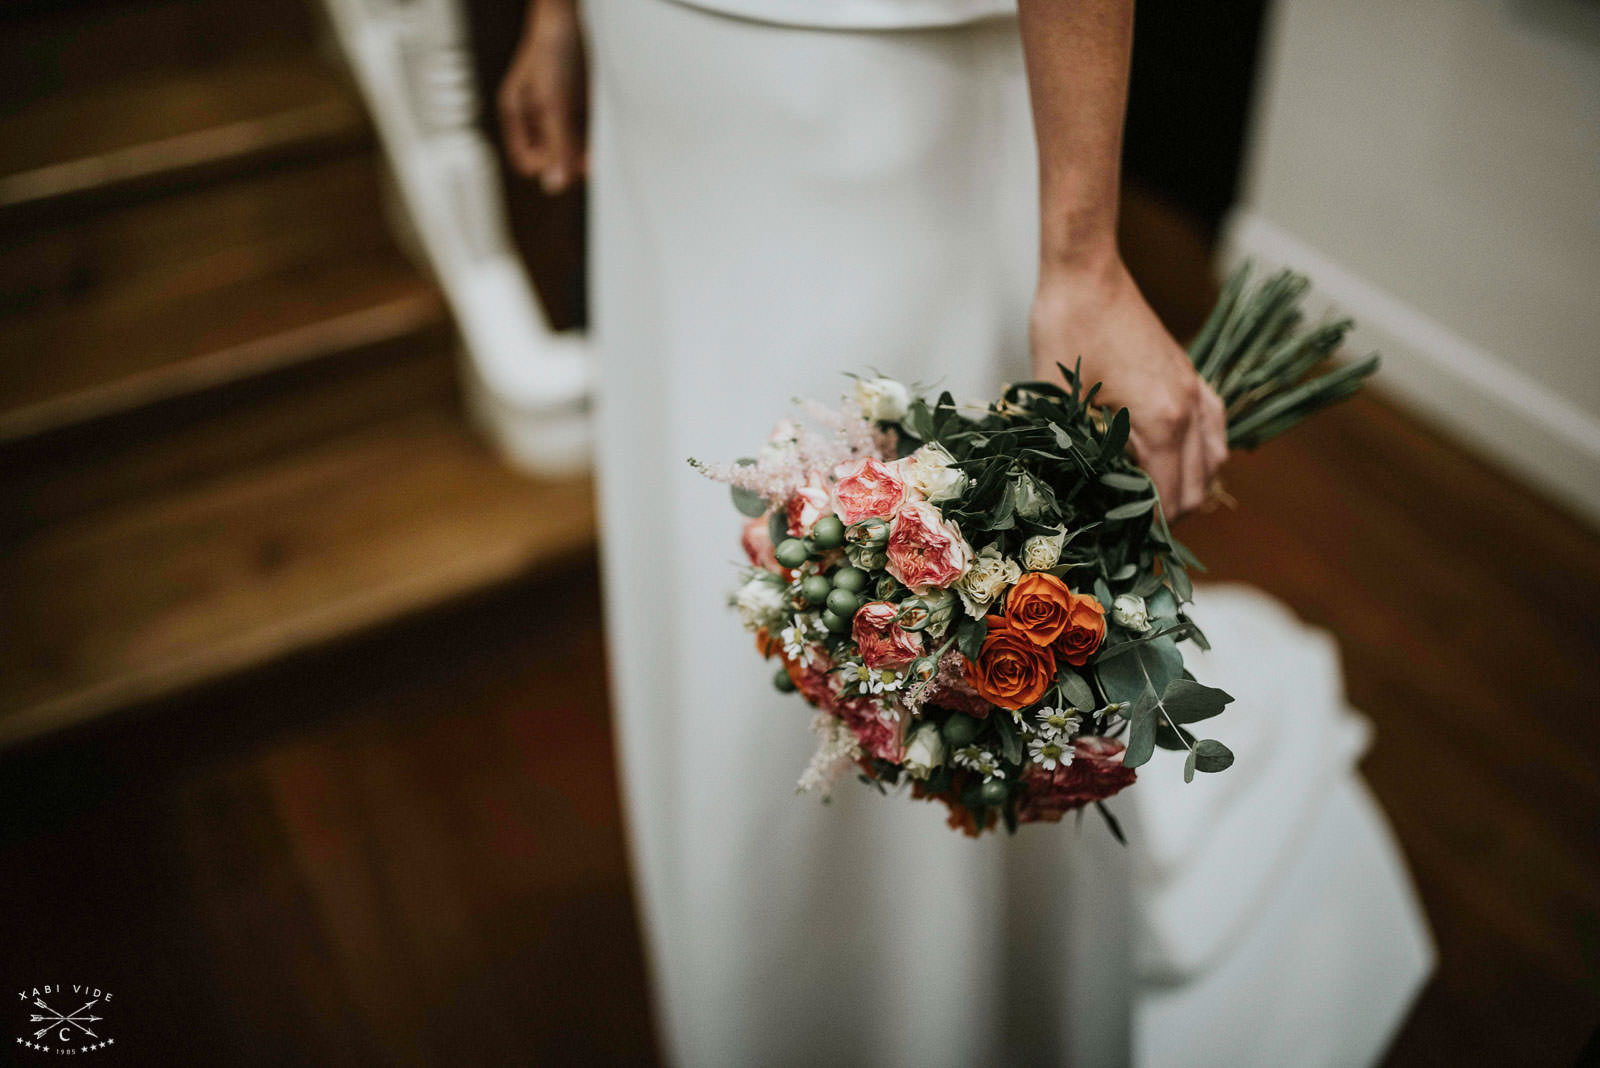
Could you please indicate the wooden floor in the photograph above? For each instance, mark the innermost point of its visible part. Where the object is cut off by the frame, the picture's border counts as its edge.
(402, 850)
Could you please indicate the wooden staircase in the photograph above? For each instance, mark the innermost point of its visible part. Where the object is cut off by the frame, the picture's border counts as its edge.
(229, 422)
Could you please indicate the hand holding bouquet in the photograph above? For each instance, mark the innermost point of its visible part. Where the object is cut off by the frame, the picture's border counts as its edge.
(988, 603)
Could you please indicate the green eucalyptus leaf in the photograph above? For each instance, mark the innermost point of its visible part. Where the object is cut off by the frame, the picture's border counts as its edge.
(1155, 663)
(1191, 702)
(1132, 509)
(1179, 580)
(1188, 767)
(751, 505)
(1141, 729)
(1075, 689)
(1125, 481)
(969, 637)
(1177, 739)
(1010, 736)
(1116, 434)
(1211, 755)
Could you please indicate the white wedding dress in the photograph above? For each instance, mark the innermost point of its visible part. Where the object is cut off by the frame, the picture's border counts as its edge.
(773, 207)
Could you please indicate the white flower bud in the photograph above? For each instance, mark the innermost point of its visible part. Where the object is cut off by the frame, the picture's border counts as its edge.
(924, 751)
(1043, 551)
(1030, 502)
(882, 398)
(1129, 611)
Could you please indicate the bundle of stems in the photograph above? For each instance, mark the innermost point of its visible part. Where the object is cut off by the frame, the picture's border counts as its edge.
(1255, 354)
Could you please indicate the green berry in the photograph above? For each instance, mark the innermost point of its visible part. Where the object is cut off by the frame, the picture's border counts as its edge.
(850, 578)
(782, 681)
(843, 603)
(835, 622)
(994, 792)
(791, 552)
(959, 730)
(828, 532)
(815, 589)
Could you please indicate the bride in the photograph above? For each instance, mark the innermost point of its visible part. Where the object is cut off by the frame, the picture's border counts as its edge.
(785, 190)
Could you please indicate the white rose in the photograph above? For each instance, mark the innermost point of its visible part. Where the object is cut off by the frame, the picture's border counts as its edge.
(1043, 551)
(882, 398)
(924, 751)
(1030, 502)
(761, 603)
(1129, 611)
(931, 471)
(989, 576)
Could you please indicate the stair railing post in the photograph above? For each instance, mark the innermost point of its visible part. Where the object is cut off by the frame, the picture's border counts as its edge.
(526, 385)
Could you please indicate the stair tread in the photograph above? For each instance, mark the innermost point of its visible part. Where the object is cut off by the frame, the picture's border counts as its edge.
(89, 362)
(264, 560)
(178, 294)
(168, 122)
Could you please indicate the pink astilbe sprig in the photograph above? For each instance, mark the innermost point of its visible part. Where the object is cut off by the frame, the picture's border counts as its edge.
(948, 688)
(797, 448)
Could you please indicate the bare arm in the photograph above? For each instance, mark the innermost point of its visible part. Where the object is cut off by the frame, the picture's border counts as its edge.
(1087, 305)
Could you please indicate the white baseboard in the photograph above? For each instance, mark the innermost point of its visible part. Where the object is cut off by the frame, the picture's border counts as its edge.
(1475, 395)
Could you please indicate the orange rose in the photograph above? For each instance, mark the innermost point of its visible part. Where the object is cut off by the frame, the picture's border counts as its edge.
(1086, 629)
(1040, 606)
(1011, 671)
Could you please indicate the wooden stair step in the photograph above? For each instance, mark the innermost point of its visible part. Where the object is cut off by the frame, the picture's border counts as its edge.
(138, 602)
(185, 293)
(335, 377)
(276, 218)
(155, 128)
(75, 364)
(52, 47)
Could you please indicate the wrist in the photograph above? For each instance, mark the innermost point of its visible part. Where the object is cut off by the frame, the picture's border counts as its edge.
(1089, 275)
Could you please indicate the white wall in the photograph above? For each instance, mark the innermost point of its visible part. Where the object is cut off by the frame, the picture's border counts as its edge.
(1435, 166)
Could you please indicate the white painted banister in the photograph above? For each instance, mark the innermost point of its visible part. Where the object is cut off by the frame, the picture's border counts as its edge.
(526, 384)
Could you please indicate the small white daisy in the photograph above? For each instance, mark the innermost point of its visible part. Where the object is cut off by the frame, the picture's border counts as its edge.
(1058, 722)
(981, 761)
(1050, 753)
(796, 636)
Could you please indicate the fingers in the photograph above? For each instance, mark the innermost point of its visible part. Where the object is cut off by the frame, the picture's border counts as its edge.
(520, 125)
(1195, 478)
(558, 130)
(1162, 464)
(1183, 451)
(1216, 433)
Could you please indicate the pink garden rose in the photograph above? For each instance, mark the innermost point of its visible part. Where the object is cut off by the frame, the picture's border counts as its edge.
(757, 542)
(882, 641)
(809, 503)
(1096, 772)
(867, 488)
(925, 551)
(877, 737)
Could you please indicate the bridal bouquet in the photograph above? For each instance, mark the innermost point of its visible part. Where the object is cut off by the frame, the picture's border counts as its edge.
(988, 603)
